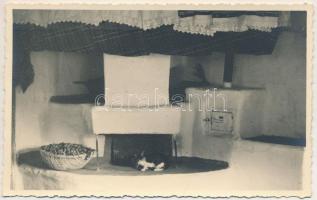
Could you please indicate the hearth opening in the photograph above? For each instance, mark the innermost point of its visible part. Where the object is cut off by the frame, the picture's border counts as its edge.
(125, 150)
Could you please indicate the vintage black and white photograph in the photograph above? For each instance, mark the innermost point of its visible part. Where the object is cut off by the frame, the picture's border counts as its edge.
(189, 101)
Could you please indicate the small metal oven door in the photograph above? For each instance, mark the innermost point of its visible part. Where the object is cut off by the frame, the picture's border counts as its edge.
(221, 123)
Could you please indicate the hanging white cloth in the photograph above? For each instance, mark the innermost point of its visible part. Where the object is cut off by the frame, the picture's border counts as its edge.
(140, 19)
(148, 19)
(206, 25)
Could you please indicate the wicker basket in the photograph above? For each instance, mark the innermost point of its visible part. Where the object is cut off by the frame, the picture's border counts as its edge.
(65, 162)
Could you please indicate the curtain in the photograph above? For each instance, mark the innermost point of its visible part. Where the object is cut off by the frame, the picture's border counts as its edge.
(194, 22)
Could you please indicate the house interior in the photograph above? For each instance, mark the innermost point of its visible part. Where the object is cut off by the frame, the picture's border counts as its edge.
(247, 133)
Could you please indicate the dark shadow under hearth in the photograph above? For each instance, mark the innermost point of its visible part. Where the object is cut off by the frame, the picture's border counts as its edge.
(183, 165)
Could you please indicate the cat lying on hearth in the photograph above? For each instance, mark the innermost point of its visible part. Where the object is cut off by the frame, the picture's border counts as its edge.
(155, 162)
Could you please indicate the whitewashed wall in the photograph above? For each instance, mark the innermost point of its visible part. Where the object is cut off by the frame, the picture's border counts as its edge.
(282, 74)
(40, 122)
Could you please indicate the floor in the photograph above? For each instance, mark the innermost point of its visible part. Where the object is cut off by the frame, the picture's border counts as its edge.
(253, 167)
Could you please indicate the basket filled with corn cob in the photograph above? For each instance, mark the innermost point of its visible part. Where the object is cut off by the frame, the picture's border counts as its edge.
(66, 156)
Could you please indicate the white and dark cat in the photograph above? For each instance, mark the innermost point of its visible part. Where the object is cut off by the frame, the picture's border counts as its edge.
(150, 161)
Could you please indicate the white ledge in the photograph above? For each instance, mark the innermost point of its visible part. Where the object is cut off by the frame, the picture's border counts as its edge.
(154, 120)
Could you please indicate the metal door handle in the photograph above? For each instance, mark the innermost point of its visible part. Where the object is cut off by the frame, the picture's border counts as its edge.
(206, 120)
